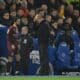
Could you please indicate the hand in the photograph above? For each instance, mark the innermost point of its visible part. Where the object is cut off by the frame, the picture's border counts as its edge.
(13, 47)
(52, 33)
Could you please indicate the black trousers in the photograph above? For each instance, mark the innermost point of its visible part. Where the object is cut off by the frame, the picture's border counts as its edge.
(24, 60)
(43, 49)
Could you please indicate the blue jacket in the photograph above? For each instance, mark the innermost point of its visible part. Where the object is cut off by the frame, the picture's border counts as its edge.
(3, 41)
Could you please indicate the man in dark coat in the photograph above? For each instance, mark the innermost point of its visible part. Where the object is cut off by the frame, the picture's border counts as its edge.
(43, 37)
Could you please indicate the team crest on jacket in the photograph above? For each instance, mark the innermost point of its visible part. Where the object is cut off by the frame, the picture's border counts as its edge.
(25, 41)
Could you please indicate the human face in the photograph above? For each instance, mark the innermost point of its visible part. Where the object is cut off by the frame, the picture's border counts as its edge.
(20, 12)
(18, 21)
(13, 13)
(48, 18)
(76, 13)
(69, 21)
(6, 16)
(54, 13)
(55, 25)
(60, 21)
(24, 21)
(31, 1)
(52, 1)
(44, 7)
(32, 13)
(24, 30)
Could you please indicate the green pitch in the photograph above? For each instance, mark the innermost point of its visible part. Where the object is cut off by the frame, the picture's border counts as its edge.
(40, 78)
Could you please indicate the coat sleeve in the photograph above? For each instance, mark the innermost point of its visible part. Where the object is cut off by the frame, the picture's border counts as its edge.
(30, 41)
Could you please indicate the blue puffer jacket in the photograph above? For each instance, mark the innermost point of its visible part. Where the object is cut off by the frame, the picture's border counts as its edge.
(3, 41)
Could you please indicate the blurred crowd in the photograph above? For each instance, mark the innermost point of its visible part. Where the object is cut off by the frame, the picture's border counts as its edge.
(24, 17)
